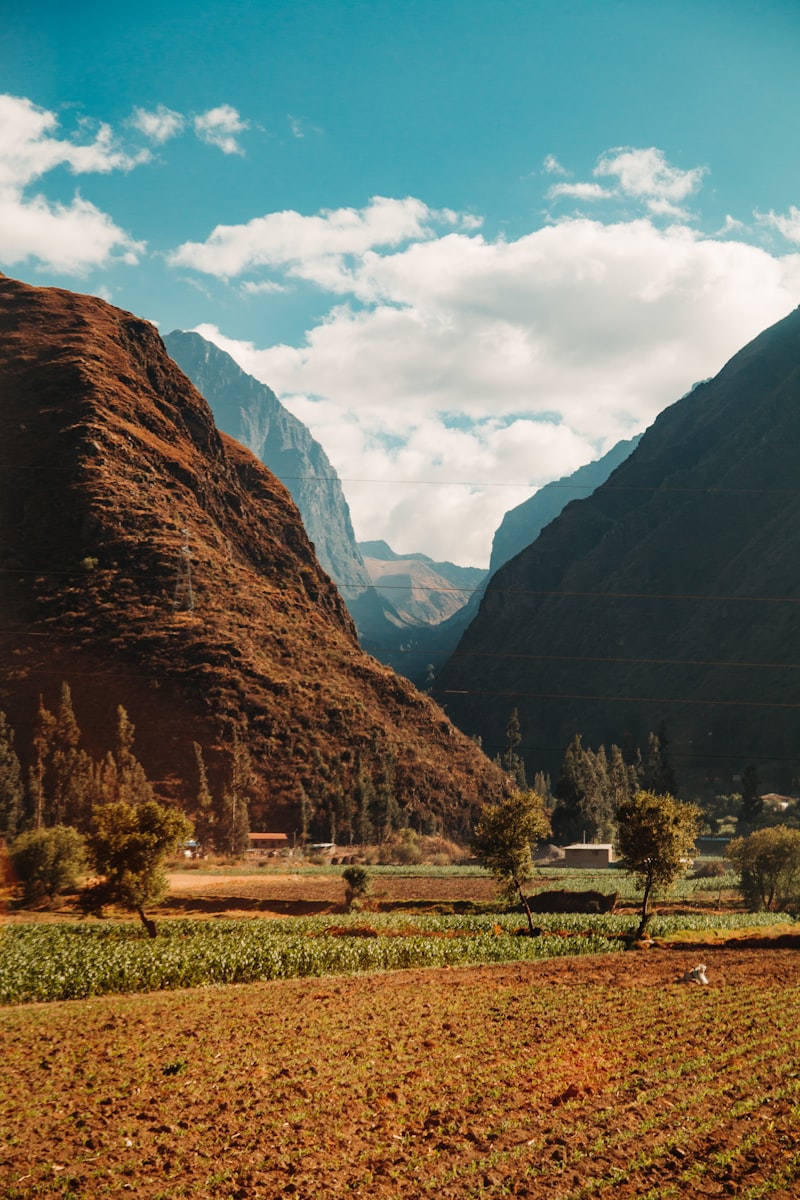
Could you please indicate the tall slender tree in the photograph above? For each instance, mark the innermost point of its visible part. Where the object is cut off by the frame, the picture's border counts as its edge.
(12, 790)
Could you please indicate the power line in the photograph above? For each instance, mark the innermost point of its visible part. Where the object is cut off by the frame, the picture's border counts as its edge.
(515, 695)
(589, 488)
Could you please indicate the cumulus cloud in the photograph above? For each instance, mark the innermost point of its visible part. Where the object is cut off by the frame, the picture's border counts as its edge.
(71, 237)
(465, 372)
(319, 248)
(220, 127)
(646, 175)
(642, 175)
(158, 125)
(788, 226)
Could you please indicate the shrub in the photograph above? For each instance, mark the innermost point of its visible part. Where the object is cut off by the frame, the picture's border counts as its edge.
(714, 869)
(769, 865)
(357, 881)
(48, 861)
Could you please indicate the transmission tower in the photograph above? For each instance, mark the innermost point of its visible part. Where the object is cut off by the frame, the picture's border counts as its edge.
(183, 598)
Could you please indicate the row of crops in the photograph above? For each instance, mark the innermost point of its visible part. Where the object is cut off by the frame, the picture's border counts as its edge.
(74, 960)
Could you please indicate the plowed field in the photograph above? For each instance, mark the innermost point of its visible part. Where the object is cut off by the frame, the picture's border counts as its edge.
(572, 1078)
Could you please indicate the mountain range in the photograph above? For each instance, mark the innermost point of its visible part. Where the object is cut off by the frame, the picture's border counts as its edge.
(153, 562)
(251, 412)
(668, 598)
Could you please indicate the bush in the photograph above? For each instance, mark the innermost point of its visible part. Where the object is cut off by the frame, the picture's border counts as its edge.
(769, 865)
(358, 882)
(48, 861)
(713, 869)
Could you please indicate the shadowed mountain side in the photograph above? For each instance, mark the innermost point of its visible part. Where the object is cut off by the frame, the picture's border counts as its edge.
(671, 594)
(522, 525)
(113, 477)
(251, 412)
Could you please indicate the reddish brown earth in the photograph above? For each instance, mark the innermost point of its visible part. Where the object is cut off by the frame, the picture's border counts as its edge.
(109, 461)
(572, 1078)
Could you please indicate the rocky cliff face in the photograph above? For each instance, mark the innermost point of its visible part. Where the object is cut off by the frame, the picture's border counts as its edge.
(421, 591)
(115, 484)
(669, 595)
(251, 412)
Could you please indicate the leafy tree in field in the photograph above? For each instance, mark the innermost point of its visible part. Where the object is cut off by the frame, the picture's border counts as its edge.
(752, 806)
(48, 861)
(502, 841)
(769, 863)
(656, 836)
(12, 790)
(128, 844)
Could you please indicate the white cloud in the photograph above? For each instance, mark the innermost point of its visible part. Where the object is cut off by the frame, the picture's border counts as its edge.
(68, 237)
(219, 127)
(551, 166)
(788, 226)
(159, 125)
(315, 248)
(71, 237)
(579, 191)
(646, 175)
(300, 127)
(29, 147)
(267, 287)
(483, 364)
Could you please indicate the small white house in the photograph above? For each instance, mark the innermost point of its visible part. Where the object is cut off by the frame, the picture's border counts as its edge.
(589, 854)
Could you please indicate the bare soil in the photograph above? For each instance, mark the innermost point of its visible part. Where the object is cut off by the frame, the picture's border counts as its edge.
(563, 1079)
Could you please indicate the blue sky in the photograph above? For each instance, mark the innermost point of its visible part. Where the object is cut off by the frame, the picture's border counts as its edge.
(471, 244)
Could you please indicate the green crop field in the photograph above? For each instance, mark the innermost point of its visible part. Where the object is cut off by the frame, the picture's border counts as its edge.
(71, 960)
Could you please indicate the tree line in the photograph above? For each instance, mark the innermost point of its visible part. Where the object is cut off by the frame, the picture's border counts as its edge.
(65, 784)
(592, 784)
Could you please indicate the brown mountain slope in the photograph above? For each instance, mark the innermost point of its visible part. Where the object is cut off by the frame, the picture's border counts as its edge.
(109, 463)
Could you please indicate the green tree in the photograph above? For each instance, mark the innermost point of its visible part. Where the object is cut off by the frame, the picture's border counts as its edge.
(48, 861)
(768, 861)
(305, 815)
(583, 807)
(752, 806)
(128, 844)
(511, 760)
(42, 748)
(386, 814)
(502, 841)
(133, 786)
(233, 835)
(658, 776)
(12, 790)
(203, 816)
(656, 837)
(70, 769)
